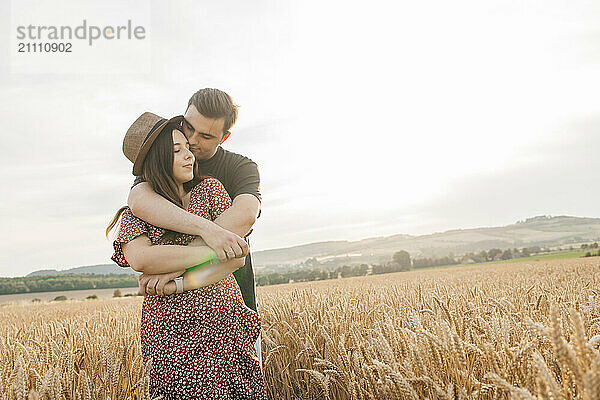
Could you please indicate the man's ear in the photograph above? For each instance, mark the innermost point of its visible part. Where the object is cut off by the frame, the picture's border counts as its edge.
(225, 136)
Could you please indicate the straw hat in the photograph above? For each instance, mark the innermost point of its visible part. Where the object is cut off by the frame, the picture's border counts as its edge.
(140, 136)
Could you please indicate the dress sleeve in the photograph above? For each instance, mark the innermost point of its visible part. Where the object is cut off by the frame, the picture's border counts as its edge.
(129, 228)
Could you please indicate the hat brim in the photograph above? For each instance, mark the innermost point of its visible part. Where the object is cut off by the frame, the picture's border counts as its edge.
(139, 161)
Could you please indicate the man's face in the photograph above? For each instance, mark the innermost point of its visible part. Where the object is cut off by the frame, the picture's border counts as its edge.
(204, 134)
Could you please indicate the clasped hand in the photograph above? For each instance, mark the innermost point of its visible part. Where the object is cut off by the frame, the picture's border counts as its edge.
(227, 245)
(157, 284)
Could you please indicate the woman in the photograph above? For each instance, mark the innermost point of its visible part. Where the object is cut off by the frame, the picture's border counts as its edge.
(200, 338)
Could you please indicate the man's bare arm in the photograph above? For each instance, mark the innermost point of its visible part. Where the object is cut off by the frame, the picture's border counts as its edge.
(241, 216)
(149, 206)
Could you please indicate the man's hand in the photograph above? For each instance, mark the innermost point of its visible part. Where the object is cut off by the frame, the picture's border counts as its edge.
(227, 245)
(155, 284)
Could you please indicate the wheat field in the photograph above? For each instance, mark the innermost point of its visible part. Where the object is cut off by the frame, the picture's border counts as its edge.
(519, 330)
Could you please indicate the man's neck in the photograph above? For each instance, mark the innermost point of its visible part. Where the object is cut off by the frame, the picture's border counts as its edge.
(212, 156)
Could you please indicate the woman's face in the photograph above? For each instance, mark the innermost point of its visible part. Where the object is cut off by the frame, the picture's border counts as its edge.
(183, 158)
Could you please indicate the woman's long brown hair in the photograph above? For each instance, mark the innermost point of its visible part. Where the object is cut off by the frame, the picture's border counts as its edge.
(157, 170)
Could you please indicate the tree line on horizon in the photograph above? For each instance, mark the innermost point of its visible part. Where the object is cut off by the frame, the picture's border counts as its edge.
(56, 283)
(401, 261)
(310, 270)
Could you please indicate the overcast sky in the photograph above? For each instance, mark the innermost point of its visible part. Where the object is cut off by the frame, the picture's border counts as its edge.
(366, 118)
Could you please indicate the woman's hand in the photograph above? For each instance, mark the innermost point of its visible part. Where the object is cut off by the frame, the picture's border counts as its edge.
(157, 284)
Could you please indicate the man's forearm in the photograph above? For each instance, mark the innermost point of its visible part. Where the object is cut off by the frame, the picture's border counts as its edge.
(151, 207)
(241, 216)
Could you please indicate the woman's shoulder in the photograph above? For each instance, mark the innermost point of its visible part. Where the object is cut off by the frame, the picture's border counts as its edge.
(209, 198)
(206, 185)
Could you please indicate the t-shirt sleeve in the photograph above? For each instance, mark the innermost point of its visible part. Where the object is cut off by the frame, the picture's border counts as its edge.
(129, 228)
(245, 179)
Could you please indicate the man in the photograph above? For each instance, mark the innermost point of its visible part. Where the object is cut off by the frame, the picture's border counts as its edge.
(207, 122)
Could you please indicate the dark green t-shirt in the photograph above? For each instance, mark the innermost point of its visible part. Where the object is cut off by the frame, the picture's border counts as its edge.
(239, 175)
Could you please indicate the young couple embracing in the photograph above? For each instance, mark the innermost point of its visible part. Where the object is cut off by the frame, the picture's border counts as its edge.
(190, 210)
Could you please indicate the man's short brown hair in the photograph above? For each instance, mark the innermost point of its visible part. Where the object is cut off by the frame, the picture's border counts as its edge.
(215, 103)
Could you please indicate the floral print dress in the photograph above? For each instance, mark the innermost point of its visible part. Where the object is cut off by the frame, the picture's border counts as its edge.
(201, 342)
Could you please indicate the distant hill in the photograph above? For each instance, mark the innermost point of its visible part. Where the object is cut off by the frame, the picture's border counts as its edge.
(537, 231)
(543, 231)
(102, 269)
